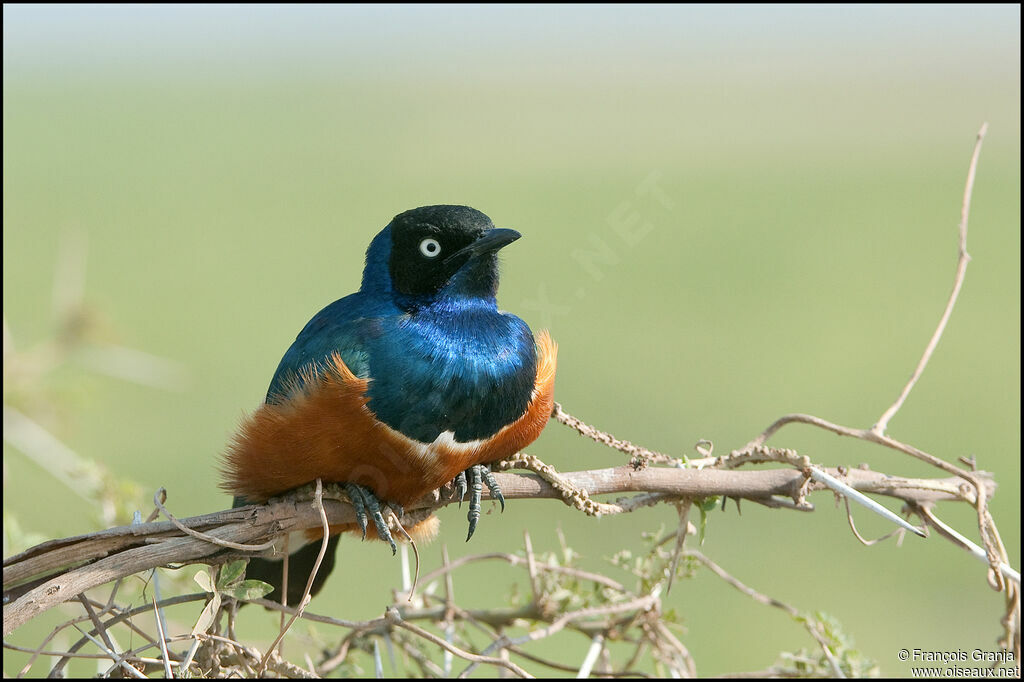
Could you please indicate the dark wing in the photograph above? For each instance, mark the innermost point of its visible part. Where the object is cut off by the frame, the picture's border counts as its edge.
(343, 327)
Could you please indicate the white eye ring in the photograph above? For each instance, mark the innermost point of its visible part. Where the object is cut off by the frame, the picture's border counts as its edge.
(430, 247)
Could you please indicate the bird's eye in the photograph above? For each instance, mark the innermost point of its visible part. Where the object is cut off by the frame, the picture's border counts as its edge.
(430, 247)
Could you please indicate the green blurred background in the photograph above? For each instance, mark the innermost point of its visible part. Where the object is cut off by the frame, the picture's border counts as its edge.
(729, 214)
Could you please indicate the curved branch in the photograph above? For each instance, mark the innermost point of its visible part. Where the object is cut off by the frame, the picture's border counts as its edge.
(119, 552)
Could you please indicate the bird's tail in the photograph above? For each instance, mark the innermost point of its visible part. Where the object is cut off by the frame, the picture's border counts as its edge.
(300, 565)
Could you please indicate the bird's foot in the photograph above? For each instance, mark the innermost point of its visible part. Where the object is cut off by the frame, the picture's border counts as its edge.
(472, 479)
(460, 487)
(368, 505)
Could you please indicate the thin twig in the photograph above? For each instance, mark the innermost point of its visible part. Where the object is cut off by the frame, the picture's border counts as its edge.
(392, 616)
(118, 660)
(683, 508)
(415, 552)
(163, 640)
(449, 608)
(977, 552)
(641, 455)
(318, 501)
(58, 667)
(771, 601)
(520, 561)
(43, 652)
(961, 270)
(531, 570)
(39, 650)
(161, 495)
(101, 629)
(864, 541)
(849, 493)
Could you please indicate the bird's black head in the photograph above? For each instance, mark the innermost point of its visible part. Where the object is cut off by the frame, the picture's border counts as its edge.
(445, 247)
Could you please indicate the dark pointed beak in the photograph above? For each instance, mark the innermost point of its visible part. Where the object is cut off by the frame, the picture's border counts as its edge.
(491, 241)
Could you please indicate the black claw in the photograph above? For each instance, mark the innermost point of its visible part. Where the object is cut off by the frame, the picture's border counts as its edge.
(461, 487)
(378, 520)
(475, 492)
(363, 499)
(492, 485)
(355, 494)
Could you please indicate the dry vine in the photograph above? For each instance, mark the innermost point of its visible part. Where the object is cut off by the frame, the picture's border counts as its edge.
(59, 571)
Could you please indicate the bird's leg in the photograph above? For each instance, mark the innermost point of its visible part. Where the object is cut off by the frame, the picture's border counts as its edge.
(364, 500)
(478, 475)
(461, 487)
(475, 490)
(492, 485)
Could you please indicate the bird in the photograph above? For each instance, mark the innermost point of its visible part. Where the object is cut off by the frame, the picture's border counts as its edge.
(415, 381)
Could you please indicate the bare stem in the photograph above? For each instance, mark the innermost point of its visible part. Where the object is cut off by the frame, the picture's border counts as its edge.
(961, 270)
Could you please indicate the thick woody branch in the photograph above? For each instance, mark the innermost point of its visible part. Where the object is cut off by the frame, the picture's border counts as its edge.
(40, 578)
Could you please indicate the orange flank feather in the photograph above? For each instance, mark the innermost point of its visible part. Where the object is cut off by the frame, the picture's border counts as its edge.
(326, 430)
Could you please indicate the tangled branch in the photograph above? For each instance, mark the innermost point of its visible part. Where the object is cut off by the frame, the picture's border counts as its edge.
(62, 570)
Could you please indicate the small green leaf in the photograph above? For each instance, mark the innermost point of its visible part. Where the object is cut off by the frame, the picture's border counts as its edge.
(709, 503)
(248, 589)
(230, 573)
(706, 505)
